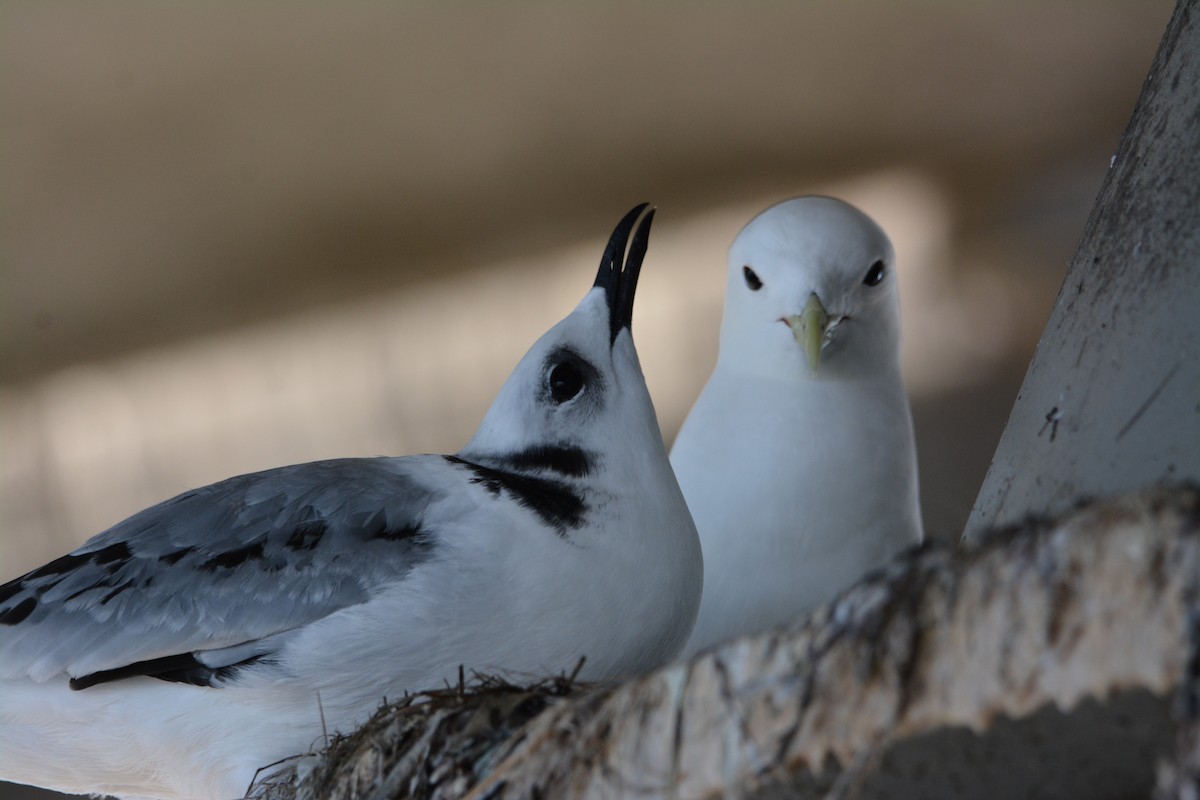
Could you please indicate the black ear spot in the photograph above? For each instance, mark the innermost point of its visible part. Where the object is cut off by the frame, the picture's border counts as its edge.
(565, 381)
(752, 279)
(874, 274)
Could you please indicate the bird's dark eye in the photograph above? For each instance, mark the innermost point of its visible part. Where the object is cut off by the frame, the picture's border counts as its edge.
(565, 381)
(874, 274)
(752, 279)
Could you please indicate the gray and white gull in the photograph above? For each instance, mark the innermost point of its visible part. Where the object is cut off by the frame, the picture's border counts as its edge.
(176, 653)
(798, 460)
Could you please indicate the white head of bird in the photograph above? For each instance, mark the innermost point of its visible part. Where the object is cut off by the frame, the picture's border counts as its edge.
(811, 287)
(579, 389)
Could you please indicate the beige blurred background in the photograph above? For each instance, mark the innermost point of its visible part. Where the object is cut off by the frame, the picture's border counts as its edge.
(235, 236)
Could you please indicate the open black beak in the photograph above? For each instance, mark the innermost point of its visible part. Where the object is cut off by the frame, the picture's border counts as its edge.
(619, 270)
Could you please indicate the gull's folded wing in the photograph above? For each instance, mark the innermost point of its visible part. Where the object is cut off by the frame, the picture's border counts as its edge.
(202, 581)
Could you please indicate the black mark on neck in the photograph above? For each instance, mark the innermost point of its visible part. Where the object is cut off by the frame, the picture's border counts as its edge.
(567, 460)
(556, 503)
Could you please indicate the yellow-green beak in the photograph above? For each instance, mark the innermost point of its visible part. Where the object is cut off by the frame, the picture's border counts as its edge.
(809, 329)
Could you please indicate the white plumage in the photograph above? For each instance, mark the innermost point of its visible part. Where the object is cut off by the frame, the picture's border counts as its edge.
(178, 652)
(797, 460)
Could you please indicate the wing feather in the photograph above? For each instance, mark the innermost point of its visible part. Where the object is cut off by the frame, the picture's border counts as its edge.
(219, 567)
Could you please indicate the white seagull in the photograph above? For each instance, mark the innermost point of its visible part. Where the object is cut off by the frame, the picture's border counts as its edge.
(176, 653)
(797, 460)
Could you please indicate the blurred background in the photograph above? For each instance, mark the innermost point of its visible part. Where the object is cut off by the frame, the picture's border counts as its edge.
(238, 236)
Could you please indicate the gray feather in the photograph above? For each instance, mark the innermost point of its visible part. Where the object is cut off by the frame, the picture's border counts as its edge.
(220, 567)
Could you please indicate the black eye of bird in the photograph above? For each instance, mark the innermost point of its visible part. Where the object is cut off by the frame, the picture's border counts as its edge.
(874, 274)
(565, 381)
(752, 279)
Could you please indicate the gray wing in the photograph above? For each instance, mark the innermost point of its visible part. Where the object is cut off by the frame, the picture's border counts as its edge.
(225, 566)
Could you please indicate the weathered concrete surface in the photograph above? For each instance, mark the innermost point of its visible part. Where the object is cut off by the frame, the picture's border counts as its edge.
(1047, 662)
(1111, 401)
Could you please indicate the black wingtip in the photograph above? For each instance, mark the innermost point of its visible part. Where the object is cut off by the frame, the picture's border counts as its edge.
(618, 273)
